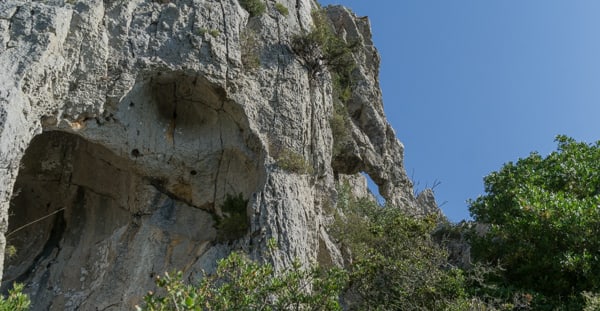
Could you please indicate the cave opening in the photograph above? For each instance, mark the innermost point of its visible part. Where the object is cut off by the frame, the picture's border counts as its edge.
(87, 230)
(97, 212)
(63, 179)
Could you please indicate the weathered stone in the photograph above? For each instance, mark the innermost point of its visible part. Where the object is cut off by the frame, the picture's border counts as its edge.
(124, 125)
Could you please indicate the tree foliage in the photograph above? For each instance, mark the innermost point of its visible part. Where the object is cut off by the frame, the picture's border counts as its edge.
(242, 284)
(395, 264)
(544, 221)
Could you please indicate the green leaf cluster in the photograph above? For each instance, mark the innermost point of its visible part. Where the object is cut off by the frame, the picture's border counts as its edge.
(340, 124)
(544, 221)
(235, 222)
(254, 7)
(322, 48)
(250, 47)
(16, 300)
(395, 264)
(282, 9)
(242, 284)
(292, 161)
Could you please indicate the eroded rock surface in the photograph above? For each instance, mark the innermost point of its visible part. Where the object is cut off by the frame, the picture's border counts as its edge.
(125, 125)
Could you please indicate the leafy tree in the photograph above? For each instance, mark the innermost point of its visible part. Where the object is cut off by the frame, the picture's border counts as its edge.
(395, 264)
(544, 221)
(242, 284)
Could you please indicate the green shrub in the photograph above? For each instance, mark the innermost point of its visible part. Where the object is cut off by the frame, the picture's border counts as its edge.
(322, 48)
(292, 161)
(592, 301)
(16, 300)
(214, 32)
(254, 7)
(10, 251)
(340, 128)
(395, 264)
(241, 284)
(282, 9)
(235, 223)
(543, 221)
(250, 47)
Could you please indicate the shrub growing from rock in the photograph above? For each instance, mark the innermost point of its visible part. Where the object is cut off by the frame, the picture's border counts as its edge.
(235, 223)
(394, 263)
(294, 162)
(254, 7)
(250, 47)
(282, 9)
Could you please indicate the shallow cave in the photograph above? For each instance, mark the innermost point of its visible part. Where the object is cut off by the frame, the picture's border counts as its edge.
(69, 195)
(95, 216)
(85, 231)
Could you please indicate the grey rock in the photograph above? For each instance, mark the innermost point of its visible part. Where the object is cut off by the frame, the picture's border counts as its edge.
(124, 125)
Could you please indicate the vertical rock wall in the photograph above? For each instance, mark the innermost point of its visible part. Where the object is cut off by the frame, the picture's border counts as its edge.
(125, 125)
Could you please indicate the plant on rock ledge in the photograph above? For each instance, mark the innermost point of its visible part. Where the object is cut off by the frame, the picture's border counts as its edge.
(282, 9)
(322, 48)
(235, 223)
(254, 7)
(292, 161)
(250, 47)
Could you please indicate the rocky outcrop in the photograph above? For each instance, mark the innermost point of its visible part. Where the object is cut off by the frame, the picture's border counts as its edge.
(126, 125)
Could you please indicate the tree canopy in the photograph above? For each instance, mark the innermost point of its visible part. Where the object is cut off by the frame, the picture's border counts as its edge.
(543, 215)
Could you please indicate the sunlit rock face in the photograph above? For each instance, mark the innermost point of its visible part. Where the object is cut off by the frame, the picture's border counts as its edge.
(126, 125)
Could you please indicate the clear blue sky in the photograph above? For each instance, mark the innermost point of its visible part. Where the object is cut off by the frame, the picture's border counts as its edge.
(469, 85)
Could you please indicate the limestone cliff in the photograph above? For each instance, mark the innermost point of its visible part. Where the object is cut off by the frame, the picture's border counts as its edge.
(126, 124)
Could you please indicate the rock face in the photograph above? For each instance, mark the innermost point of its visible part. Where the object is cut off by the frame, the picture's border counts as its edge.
(125, 126)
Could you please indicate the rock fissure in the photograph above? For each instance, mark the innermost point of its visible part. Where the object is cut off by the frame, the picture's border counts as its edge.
(226, 34)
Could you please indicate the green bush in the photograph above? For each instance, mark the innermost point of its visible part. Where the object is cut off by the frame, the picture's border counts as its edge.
(250, 47)
(235, 223)
(322, 48)
(340, 128)
(282, 9)
(16, 300)
(395, 264)
(292, 161)
(213, 32)
(254, 7)
(241, 284)
(543, 221)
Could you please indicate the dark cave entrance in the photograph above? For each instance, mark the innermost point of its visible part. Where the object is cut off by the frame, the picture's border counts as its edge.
(93, 220)
(63, 180)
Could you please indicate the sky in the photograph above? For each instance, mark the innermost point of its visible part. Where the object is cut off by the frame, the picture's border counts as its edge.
(469, 85)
